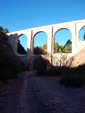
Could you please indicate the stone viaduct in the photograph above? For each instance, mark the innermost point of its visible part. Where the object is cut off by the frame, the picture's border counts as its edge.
(74, 27)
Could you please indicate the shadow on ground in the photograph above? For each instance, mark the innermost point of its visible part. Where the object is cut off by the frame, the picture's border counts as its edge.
(71, 76)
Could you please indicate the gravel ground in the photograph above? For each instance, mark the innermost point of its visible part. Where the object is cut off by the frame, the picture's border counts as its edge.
(34, 94)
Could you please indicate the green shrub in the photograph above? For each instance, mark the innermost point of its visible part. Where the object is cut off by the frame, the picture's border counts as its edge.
(40, 65)
(74, 77)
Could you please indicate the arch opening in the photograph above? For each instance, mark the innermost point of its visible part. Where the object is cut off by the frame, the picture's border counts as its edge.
(63, 41)
(40, 43)
(82, 34)
(22, 44)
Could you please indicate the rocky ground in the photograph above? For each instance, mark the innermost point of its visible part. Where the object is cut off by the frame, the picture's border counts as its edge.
(34, 94)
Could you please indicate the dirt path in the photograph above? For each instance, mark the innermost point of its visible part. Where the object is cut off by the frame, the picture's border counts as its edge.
(31, 94)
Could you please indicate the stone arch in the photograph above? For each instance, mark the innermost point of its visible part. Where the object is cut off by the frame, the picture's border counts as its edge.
(20, 35)
(36, 33)
(81, 42)
(62, 29)
(67, 31)
(80, 25)
(39, 32)
(26, 39)
(80, 31)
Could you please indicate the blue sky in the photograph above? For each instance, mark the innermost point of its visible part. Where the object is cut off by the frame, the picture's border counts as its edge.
(24, 14)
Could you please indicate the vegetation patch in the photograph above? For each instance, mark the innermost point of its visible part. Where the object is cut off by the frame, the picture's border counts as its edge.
(10, 65)
(74, 77)
(40, 65)
(70, 76)
(67, 48)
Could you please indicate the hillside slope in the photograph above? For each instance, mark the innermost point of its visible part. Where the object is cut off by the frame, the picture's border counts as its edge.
(79, 58)
(10, 65)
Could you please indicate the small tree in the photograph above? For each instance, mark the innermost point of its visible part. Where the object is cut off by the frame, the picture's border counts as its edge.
(68, 42)
(68, 47)
(56, 47)
(5, 30)
(1, 28)
(38, 51)
(44, 47)
(60, 49)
